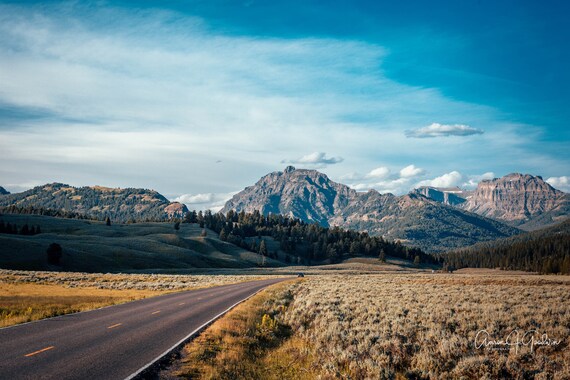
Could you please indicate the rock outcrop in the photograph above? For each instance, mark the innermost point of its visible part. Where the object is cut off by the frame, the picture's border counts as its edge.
(518, 199)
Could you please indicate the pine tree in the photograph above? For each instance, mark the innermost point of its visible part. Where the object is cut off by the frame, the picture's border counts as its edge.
(382, 255)
(262, 248)
(108, 221)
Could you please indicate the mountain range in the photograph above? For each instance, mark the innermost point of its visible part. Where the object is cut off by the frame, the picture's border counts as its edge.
(429, 218)
(97, 202)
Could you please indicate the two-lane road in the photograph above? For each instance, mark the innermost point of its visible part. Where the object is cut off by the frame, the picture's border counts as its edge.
(113, 342)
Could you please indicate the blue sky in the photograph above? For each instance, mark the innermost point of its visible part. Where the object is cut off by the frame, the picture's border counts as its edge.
(198, 99)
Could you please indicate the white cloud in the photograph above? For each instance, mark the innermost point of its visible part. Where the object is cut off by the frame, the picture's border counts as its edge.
(205, 201)
(315, 159)
(451, 179)
(411, 171)
(473, 180)
(380, 172)
(439, 130)
(560, 183)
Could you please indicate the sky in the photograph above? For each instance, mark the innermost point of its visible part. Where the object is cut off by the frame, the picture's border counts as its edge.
(199, 99)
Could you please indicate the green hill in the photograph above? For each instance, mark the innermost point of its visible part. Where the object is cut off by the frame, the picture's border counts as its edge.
(90, 246)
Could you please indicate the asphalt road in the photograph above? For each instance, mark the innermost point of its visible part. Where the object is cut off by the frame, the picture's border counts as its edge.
(113, 342)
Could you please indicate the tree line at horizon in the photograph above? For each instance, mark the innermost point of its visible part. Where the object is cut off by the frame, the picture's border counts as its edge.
(542, 252)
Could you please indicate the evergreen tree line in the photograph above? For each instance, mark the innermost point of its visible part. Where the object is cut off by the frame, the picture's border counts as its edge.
(31, 210)
(545, 254)
(302, 242)
(7, 228)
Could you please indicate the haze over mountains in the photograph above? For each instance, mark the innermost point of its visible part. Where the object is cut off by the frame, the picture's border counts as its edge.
(428, 218)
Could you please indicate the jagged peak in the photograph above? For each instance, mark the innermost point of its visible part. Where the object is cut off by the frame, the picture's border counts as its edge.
(289, 169)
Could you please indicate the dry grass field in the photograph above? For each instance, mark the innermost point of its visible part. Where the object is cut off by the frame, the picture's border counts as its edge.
(27, 295)
(475, 325)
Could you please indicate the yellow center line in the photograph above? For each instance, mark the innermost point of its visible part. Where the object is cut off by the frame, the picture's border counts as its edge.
(156, 312)
(39, 351)
(113, 326)
(181, 303)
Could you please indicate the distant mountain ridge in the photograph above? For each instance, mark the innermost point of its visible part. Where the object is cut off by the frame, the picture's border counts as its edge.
(450, 196)
(3, 191)
(413, 219)
(121, 205)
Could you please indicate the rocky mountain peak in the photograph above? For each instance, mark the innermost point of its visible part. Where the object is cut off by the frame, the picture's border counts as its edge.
(307, 194)
(3, 191)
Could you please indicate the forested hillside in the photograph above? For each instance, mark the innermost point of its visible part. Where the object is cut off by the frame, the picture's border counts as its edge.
(545, 251)
(302, 242)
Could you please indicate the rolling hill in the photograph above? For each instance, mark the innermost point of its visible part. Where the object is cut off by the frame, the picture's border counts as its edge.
(96, 202)
(91, 246)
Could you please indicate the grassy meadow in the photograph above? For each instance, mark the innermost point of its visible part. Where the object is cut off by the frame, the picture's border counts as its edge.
(468, 325)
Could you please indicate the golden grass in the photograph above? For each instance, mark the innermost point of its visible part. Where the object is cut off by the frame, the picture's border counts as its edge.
(30, 302)
(30, 295)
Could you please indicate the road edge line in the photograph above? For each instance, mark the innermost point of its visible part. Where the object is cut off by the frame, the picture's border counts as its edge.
(192, 334)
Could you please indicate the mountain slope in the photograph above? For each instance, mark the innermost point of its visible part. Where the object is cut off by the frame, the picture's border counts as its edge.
(520, 200)
(121, 205)
(3, 191)
(414, 219)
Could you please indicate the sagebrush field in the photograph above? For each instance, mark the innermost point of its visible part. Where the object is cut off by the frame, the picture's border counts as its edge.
(416, 326)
